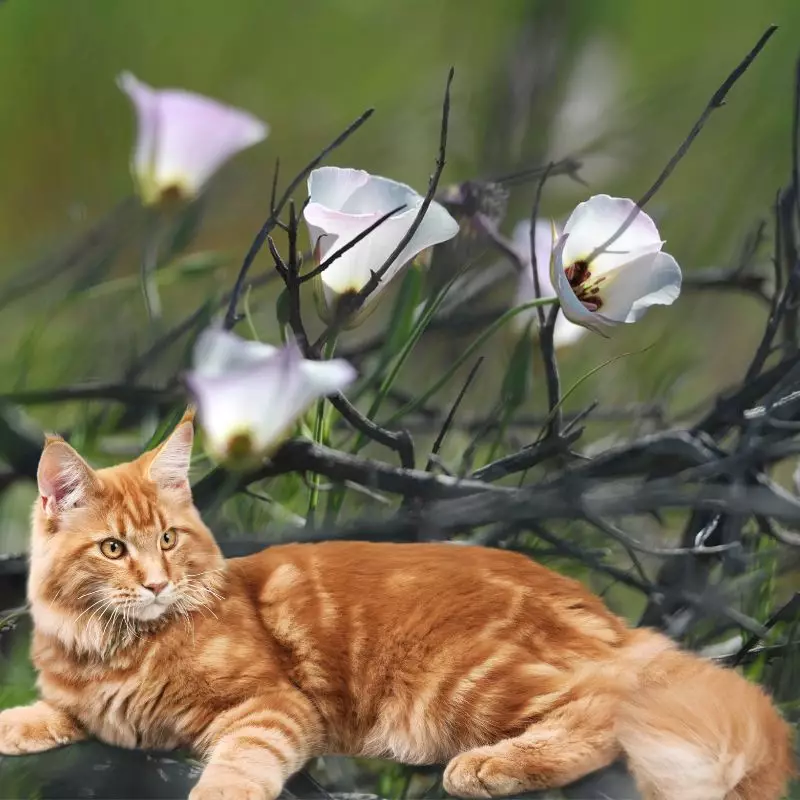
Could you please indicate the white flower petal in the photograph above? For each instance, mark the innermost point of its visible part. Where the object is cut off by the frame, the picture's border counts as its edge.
(437, 226)
(640, 284)
(380, 195)
(184, 137)
(324, 378)
(227, 407)
(332, 186)
(198, 135)
(353, 269)
(343, 204)
(217, 352)
(624, 281)
(573, 309)
(262, 396)
(145, 102)
(565, 332)
(521, 239)
(596, 220)
(328, 189)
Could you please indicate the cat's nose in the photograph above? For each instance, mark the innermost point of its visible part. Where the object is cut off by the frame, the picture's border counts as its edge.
(156, 588)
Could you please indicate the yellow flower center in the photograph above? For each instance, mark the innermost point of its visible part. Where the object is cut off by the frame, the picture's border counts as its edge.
(239, 447)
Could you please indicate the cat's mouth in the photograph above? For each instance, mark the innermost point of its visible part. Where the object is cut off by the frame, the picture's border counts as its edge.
(150, 611)
(152, 606)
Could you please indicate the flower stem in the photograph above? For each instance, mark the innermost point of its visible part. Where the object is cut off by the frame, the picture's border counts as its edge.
(149, 265)
(588, 375)
(431, 307)
(321, 435)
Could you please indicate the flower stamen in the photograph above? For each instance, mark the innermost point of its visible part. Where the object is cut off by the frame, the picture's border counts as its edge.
(587, 291)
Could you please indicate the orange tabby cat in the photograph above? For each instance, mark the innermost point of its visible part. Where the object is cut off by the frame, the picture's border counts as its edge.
(516, 676)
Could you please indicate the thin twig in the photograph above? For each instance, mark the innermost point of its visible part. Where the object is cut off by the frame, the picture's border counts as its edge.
(231, 316)
(399, 441)
(351, 304)
(717, 101)
(352, 243)
(452, 413)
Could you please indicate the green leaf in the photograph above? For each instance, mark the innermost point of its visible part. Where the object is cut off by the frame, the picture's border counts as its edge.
(401, 320)
(517, 381)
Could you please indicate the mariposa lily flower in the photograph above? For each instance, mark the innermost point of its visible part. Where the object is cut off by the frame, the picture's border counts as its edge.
(564, 333)
(345, 202)
(621, 281)
(250, 395)
(183, 138)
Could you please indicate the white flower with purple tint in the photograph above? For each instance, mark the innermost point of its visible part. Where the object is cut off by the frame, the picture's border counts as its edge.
(602, 286)
(250, 395)
(345, 202)
(183, 138)
(564, 333)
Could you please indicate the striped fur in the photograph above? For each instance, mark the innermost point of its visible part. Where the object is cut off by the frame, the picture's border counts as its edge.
(516, 676)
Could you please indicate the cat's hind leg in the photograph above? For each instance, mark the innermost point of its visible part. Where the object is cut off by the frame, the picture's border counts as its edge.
(566, 745)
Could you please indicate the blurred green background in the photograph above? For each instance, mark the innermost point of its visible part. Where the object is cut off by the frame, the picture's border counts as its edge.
(618, 83)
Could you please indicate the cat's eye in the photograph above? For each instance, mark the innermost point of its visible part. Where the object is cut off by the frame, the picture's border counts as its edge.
(112, 548)
(168, 539)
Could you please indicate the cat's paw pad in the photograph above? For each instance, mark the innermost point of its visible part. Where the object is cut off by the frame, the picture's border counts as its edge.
(23, 731)
(481, 774)
(230, 790)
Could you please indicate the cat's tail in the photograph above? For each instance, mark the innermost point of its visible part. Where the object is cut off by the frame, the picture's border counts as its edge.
(693, 730)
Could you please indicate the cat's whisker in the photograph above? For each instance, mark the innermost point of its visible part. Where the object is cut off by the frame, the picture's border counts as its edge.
(206, 572)
(85, 594)
(87, 610)
(195, 604)
(91, 626)
(127, 618)
(111, 620)
(188, 621)
(199, 601)
(197, 585)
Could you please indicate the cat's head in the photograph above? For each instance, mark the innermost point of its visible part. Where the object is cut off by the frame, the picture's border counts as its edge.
(119, 549)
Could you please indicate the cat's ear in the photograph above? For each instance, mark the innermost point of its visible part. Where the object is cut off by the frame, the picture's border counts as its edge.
(65, 479)
(170, 461)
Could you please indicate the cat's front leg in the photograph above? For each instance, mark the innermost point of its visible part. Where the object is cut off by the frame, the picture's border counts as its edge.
(252, 749)
(34, 728)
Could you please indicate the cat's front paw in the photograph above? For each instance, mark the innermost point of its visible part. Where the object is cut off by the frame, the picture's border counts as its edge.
(32, 729)
(226, 783)
(480, 773)
(234, 789)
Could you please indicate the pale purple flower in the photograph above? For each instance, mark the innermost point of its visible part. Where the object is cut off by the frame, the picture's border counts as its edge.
(564, 333)
(183, 138)
(250, 395)
(344, 203)
(621, 282)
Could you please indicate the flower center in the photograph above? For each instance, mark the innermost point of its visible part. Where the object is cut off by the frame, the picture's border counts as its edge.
(240, 447)
(586, 290)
